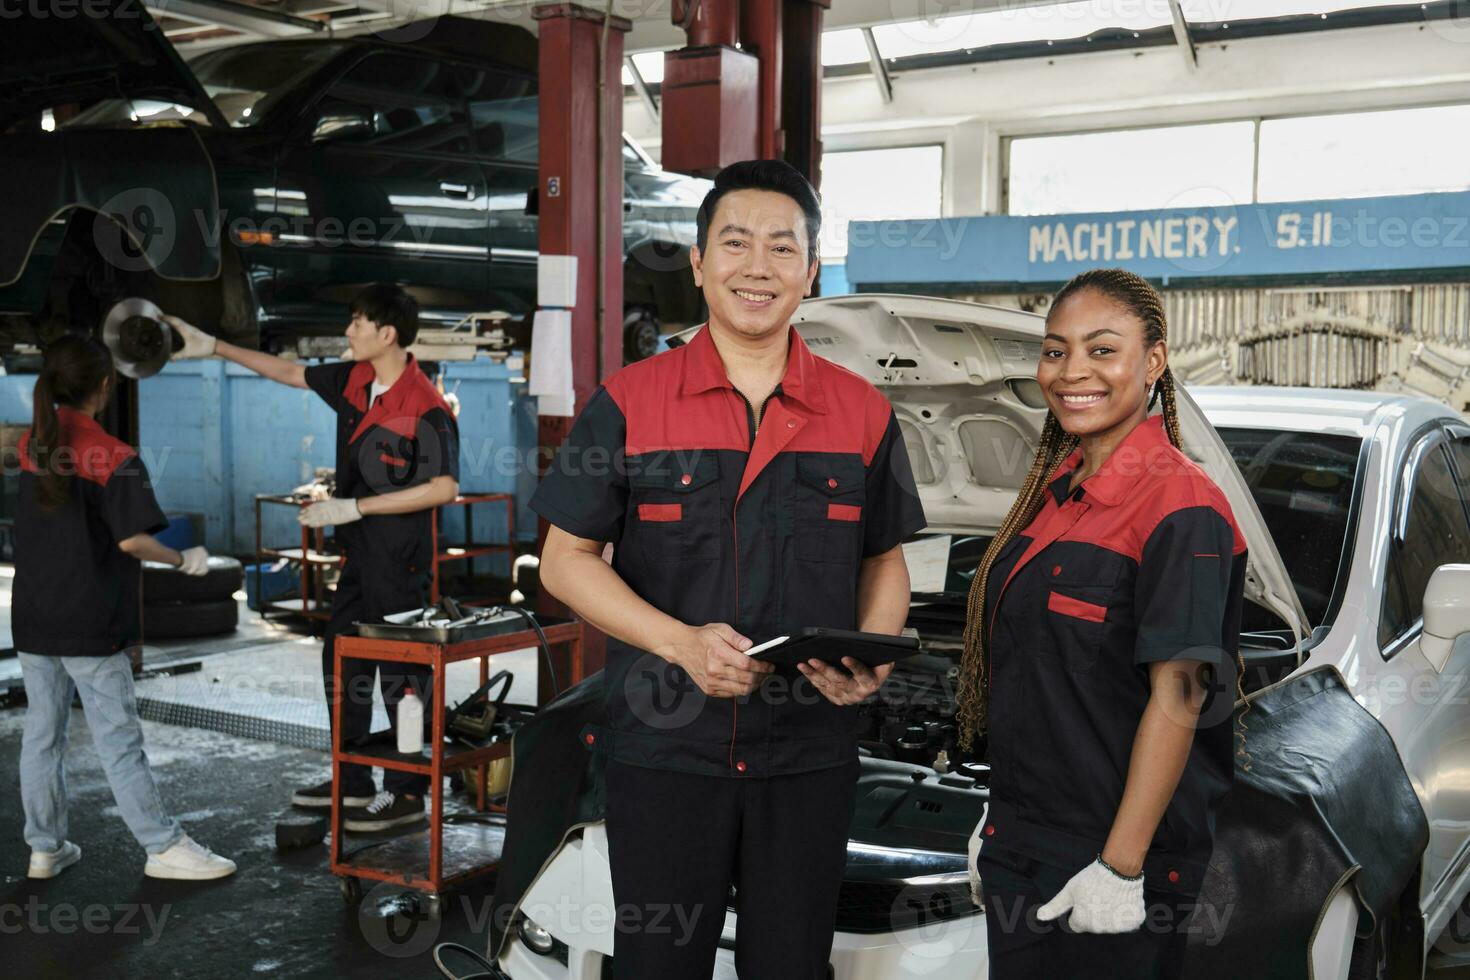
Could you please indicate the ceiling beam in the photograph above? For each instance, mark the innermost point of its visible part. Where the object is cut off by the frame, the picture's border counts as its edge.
(879, 67)
(641, 88)
(238, 16)
(1182, 37)
(653, 29)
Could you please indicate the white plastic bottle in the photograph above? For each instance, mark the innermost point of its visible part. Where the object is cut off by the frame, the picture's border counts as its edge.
(410, 723)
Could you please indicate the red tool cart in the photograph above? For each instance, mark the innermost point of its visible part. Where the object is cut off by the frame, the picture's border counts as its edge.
(418, 860)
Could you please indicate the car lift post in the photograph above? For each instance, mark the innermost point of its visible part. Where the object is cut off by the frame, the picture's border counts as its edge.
(785, 37)
(580, 214)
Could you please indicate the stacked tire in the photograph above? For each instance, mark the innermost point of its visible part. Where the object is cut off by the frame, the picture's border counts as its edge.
(178, 606)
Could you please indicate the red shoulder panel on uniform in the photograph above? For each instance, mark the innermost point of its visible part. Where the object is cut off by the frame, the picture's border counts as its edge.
(359, 379)
(660, 415)
(399, 408)
(1184, 485)
(668, 403)
(88, 451)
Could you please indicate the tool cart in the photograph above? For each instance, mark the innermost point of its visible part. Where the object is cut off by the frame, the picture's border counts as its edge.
(444, 855)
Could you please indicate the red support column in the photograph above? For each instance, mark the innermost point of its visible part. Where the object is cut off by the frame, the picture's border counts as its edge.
(760, 33)
(801, 90)
(801, 85)
(581, 134)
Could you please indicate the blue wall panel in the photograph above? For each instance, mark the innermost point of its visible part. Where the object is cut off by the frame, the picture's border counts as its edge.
(214, 435)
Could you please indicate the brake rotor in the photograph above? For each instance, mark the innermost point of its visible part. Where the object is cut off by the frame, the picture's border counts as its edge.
(140, 341)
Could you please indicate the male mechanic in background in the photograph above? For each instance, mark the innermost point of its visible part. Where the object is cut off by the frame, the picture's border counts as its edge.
(750, 488)
(397, 459)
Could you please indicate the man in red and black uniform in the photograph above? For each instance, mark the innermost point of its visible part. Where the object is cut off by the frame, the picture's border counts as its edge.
(749, 488)
(397, 459)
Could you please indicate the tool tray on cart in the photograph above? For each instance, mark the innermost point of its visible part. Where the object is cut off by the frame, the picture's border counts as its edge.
(434, 624)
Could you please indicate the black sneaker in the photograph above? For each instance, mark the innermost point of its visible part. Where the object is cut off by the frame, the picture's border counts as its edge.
(320, 795)
(384, 811)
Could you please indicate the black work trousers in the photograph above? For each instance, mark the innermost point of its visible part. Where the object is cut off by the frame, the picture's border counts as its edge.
(677, 842)
(352, 606)
(1021, 947)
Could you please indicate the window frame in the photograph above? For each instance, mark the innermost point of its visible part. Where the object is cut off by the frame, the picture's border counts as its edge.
(1007, 140)
(1430, 438)
(919, 144)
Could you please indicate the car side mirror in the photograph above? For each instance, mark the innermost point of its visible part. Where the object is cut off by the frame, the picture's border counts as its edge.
(1446, 613)
(342, 122)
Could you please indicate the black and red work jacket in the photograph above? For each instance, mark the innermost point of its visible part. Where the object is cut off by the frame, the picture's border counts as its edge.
(76, 593)
(720, 511)
(1142, 563)
(404, 439)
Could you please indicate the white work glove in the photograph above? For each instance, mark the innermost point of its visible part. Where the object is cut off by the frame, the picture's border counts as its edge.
(1100, 900)
(196, 561)
(333, 510)
(197, 343)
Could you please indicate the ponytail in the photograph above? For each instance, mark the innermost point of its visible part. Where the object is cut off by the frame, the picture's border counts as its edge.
(75, 369)
(53, 487)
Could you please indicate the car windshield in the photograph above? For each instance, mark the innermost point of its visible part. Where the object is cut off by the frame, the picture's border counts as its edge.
(1302, 483)
(245, 82)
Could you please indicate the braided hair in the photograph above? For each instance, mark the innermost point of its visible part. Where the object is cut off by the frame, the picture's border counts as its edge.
(1134, 294)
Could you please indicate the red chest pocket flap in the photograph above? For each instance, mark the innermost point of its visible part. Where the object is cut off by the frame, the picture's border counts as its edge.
(1076, 608)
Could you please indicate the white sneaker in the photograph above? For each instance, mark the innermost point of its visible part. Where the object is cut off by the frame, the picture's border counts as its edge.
(49, 864)
(188, 860)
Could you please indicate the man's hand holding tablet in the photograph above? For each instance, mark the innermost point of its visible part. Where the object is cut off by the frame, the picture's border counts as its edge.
(846, 667)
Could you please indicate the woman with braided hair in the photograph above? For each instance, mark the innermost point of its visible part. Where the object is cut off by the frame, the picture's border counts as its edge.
(1100, 659)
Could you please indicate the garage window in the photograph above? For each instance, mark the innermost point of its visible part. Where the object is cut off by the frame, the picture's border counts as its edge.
(862, 186)
(1298, 158)
(1133, 169)
(1402, 151)
(1436, 534)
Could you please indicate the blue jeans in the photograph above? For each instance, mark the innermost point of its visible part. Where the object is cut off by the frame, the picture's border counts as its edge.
(106, 687)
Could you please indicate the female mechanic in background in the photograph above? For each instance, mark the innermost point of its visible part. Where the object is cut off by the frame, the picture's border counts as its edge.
(85, 517)
(1100, 659)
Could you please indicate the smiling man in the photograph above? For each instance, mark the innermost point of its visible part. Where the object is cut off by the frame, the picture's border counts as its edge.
(750, 488)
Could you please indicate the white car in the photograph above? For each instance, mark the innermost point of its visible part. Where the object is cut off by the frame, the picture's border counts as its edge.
(1355, 489)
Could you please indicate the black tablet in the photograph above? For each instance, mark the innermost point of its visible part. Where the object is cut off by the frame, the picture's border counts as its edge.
(831, 645)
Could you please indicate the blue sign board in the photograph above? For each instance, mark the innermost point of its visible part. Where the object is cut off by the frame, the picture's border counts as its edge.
(1301, 239)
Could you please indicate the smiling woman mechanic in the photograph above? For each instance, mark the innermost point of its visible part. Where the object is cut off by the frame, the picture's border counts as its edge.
(85, 516)
(1100, 647)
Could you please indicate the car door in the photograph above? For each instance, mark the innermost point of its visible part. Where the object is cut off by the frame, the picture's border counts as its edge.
(1428, 527)
(381, 183)
(502, 108)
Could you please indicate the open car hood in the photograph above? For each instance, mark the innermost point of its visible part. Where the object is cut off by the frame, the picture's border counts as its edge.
(46, 61)
(962, 380)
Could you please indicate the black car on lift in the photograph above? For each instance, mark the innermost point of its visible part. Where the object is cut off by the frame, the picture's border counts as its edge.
(257, 187)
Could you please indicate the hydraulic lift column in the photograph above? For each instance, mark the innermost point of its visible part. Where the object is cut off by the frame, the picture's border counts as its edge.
(749, 84)
(580, 208)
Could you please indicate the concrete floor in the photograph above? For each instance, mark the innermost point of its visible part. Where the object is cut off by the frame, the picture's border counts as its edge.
(281, 914)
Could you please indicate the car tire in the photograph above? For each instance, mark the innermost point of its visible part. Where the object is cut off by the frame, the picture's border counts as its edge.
(640, 334)
(164, 583)
(186, 620)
